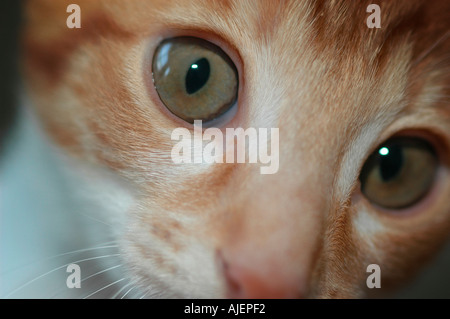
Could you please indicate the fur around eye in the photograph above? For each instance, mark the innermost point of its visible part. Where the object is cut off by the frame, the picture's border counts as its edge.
(399, 173)
(194, 78)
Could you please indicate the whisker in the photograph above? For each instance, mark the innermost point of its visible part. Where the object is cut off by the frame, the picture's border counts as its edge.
(90, 276)
(142, 297)
(128, 292)
(66, 253)
(121, 289)
(95, 219)
(113, 283)
(100, 272)
(55, 269)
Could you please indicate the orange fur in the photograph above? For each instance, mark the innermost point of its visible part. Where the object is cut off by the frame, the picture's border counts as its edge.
(335, 88)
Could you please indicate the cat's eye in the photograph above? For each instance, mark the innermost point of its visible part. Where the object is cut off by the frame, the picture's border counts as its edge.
(399, 173)
(194, 78)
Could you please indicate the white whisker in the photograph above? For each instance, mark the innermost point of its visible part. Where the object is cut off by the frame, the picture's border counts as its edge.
(67, 253)
(128, 292)
(93, 275)
(113, 283)
(100, 272)
(55, 269)
(121, 289)
(142, 297)
(95, 219)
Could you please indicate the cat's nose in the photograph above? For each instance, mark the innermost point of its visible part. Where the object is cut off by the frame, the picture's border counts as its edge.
(244, 282)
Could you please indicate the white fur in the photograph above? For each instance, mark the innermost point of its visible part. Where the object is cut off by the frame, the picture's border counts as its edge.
(52, 210)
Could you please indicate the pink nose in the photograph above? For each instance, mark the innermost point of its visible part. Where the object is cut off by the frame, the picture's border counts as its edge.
(258, 282)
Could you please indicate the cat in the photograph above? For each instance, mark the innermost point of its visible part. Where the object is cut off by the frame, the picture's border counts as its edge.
(364, 137)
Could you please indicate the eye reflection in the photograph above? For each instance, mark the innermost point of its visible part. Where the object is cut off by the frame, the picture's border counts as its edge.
(384, 151)
(197, 76)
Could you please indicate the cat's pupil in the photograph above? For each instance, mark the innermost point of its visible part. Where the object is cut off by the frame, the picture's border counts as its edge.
(197, 75)
(391, 162)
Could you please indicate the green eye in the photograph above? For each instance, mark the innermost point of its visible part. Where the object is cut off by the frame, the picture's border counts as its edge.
(194, 78)
(400, 173)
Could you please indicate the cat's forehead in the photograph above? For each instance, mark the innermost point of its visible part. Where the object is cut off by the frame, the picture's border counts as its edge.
(323, 36)
(302, 62)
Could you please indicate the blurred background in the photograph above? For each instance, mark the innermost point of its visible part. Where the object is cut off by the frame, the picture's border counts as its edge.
(433, 283)
(10, 18)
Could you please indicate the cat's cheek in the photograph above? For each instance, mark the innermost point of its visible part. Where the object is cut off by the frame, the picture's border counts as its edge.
(164, 260)
(401, 244)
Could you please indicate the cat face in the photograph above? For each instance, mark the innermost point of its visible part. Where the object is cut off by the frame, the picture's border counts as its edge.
(336, 90)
